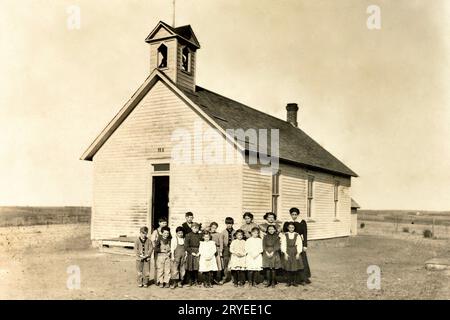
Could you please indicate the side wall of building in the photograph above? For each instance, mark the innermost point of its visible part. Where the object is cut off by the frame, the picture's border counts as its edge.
(293, 181)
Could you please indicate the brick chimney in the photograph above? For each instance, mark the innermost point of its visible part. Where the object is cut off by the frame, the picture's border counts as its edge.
(291, 117)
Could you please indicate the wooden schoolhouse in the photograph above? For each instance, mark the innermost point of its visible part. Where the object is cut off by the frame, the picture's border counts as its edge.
(163, 154)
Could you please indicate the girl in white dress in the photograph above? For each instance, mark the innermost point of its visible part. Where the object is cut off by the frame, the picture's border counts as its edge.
(207, 263)
(253, 259)
(237, 260)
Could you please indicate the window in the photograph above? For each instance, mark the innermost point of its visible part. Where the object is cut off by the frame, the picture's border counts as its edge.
(275, 191)
(161, 167)
(336, 197)
(186, 59)
(310, 196)
(162, 56)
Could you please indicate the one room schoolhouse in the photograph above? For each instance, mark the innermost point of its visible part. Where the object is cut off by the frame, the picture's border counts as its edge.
(169, 150)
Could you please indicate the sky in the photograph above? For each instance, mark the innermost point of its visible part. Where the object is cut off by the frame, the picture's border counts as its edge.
(378, 99)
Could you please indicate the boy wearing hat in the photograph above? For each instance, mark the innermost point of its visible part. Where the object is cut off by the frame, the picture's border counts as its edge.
(225, 239)
(187, 226)
(144, 249)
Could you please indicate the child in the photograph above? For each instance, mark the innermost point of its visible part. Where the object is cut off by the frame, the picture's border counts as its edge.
(178, 256)
(157, 233)
(248, 225)
(207, 262)
(301, 228)
(271, 219)
(187, 226)
(215, 237)
(253, 250)
(163, 258)
(225, 239)
(271, 255)
(144, 250)
(292, 246)
(192, 243)
(237, 260)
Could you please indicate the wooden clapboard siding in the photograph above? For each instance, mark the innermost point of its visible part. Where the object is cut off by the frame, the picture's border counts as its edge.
(211, 192)
(122, 170)
(257, 195)
(293, 193)
(256, 192)
(185, 79)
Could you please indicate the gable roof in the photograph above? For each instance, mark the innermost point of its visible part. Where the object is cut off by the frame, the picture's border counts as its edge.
(295, 146)
(184, 32)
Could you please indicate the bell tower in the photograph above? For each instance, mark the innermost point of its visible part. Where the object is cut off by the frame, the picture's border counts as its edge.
(173, 51)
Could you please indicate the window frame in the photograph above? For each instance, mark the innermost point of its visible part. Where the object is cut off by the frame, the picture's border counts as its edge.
(159, 54)
(310, 196)
(275, 188)
(189, 60)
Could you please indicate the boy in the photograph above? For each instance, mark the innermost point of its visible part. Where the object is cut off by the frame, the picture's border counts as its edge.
(157, 233)
(144, 249)
(225, 239)
(187, 226)
(163, 258)
(178, 257)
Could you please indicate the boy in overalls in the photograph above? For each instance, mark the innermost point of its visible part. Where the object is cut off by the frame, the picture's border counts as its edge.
(178, 259)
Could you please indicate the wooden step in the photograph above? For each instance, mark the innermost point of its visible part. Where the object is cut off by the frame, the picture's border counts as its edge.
(118, 250)
(438, 264)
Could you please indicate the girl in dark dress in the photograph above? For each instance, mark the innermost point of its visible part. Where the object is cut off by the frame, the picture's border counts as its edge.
(191, 244)
(302, 229)
(271, 255)
(291, 247)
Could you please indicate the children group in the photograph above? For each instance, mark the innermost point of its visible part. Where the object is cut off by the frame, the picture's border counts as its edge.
(196, 255)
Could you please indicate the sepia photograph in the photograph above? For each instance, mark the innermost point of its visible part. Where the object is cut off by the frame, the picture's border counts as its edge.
(227, 150)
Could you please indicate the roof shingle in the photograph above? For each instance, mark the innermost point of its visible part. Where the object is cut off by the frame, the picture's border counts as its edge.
(294, 144)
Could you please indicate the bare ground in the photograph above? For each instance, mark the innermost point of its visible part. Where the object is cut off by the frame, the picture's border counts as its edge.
(34, 262)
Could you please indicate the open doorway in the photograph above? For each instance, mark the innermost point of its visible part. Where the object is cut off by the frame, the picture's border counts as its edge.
(160, 199)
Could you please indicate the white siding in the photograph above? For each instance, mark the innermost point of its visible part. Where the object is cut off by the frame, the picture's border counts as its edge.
(257, 195)
(122, 171)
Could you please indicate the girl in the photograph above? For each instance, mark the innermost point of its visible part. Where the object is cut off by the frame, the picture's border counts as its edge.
(178, 259)
(192, 243)
(215, 237)
(292, 246)
(248, 225)
(207, 263)
(271, 218)
(237, 260)
(271, 255)
(253, 250)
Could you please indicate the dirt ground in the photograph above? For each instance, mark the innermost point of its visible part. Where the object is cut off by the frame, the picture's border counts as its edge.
(34, 262)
